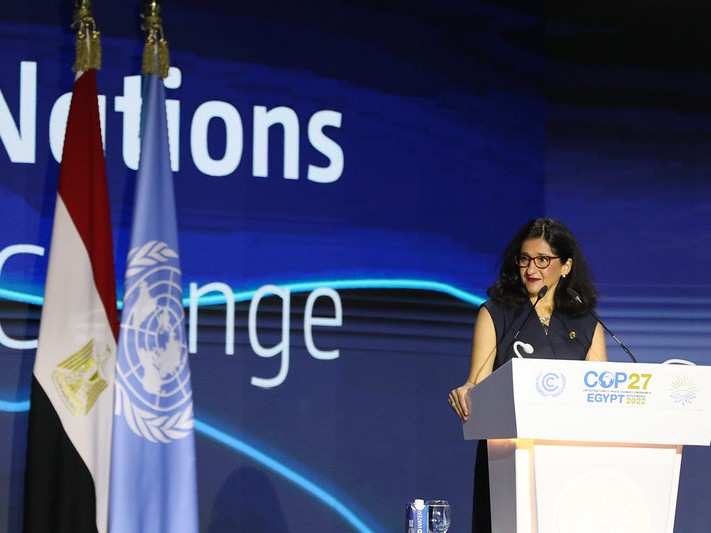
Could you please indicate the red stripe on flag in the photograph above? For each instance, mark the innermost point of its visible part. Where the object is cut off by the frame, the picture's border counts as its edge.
(83, 188)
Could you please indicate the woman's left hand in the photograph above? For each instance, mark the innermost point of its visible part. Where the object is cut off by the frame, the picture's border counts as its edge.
(458, 400)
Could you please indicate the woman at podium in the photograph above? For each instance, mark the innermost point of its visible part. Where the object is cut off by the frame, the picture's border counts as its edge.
(540, 306)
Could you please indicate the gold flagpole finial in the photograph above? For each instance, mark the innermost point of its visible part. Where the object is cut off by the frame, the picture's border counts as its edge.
(155, 51)
(88, 46)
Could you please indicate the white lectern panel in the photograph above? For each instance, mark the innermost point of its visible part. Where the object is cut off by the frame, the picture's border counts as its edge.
(604, 488)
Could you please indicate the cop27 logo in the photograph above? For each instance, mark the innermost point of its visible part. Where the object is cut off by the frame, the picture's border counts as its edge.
(617, 388)
(617, 380)
(153, 376)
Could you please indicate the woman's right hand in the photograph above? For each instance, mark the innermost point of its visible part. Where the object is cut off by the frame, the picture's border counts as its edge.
(458, 400)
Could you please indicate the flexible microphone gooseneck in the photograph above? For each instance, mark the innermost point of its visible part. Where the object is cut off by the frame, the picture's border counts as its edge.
(575, 296)
(540, 295)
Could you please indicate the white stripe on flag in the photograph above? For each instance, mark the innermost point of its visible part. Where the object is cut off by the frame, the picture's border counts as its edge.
(72, 316)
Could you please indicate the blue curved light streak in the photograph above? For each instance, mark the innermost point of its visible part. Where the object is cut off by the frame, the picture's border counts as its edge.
(22, 297)
(284, 471)
(375, 283)
(14, 407)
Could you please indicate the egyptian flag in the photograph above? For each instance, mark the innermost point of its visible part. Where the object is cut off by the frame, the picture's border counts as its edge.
(70, 421)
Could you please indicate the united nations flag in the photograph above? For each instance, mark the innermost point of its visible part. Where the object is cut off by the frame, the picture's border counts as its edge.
(153, 486)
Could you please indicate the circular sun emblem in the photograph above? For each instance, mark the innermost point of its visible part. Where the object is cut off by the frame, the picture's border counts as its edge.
(153, 375)
(684, 390)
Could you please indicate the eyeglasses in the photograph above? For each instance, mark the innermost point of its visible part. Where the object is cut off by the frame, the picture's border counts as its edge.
(541, 261)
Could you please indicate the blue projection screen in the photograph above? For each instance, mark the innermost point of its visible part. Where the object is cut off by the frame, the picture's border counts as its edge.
(346, 176)
(344, 179)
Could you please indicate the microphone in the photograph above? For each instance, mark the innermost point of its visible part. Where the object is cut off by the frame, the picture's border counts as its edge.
(575, 296)
(524, 346)
(540, 295)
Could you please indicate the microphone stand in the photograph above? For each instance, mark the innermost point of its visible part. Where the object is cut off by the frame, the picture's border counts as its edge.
(573, 294)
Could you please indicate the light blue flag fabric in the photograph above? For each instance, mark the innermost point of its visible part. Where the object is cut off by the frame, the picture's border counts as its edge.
(153, 483)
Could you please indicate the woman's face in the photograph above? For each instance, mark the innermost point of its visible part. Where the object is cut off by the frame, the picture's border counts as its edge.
(535, 277)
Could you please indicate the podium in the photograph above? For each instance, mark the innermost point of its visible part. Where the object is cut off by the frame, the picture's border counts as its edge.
(578, 446)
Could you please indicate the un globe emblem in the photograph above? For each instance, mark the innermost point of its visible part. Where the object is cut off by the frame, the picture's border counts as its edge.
(153, 376)
(550, 383)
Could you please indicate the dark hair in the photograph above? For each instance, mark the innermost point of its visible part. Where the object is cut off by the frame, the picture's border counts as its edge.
(509, 290)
